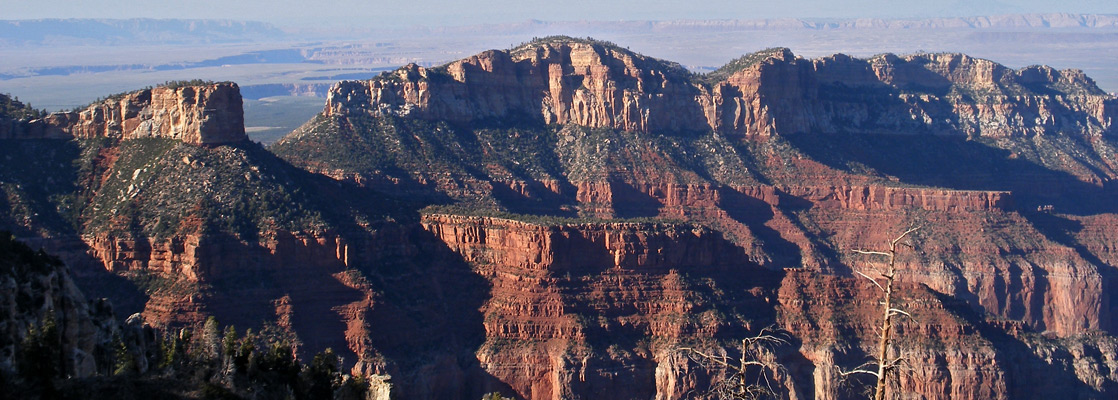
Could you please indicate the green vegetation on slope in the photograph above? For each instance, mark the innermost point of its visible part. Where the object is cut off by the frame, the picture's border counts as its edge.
(11, 107)
(742, 63)
(423, 153)
(162, 187)
(521, 168)
(132, 361)
(45, 185)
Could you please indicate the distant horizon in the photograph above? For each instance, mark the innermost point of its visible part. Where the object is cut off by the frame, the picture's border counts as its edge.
(513, 23)
(340, 14)
(808, 18)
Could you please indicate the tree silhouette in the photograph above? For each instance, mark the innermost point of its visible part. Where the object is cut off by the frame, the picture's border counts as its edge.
(886, 364)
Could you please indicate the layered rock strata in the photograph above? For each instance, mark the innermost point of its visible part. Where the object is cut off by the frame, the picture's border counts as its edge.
(557, 293)
(678, 286)
(943, 94)
(198, 257)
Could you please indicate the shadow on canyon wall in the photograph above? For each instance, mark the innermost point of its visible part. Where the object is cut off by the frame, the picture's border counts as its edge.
(1027, 374)
(958, 163)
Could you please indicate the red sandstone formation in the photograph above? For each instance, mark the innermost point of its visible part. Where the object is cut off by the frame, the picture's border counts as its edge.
(646, 280)
(945, 94)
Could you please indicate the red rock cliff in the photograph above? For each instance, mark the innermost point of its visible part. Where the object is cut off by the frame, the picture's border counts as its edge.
(558, 292)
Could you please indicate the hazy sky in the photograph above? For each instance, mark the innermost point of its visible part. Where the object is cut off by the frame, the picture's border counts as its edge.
(449, 12)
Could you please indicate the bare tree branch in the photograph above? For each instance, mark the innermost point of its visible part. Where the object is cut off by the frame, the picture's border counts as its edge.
(893, 244)
(871, 280)
(749, 377)
(870, 252)
(896, 361)
(720, 360)
(858, 371)
(885, 333)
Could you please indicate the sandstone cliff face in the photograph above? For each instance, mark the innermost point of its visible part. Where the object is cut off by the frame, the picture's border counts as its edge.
(186, 263)
(546, 315)
(1005, 296)
(951, 352)
(558, 291)
(625, 245)
(597, 85)
(864, 198)
(198, 257)
(588, 84)
(202, 114)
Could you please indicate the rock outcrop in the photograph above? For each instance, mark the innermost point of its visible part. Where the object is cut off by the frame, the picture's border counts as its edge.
(564, 82)
(866, 198)
(943, 94)
(599, 85)
(197, 257)
(557, 291)
(950, 351)
(204, 114)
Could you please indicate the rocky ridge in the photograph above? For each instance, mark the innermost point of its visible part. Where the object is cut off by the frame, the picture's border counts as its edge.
(197, 114)
(945, 94)
(599, 85)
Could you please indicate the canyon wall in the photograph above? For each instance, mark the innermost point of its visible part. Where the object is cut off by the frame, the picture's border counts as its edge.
(200, 257)
(558, 292)
(677, 286)
(569, 83)
(950, 351)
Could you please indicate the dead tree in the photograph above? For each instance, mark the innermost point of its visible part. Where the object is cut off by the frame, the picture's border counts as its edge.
(750, 375)
(886, 364)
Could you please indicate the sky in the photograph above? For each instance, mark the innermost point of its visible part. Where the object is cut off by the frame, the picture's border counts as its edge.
(450, 12)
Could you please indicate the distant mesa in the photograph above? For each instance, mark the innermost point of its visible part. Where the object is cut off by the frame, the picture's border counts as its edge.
(201, 113)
